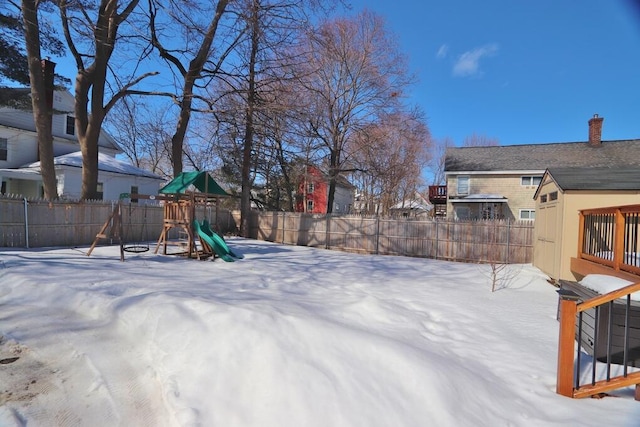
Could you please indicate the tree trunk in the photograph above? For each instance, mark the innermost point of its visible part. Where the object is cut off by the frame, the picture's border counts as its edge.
(247, 183)
(333, 164)
(88, 129)
(190, 76)
(41, 81)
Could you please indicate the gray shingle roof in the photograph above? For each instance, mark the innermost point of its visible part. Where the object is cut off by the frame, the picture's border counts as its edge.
(627, 178)
(542, 156)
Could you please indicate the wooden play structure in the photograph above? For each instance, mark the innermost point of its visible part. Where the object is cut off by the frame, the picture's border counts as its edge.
(180, 208)
(180, 198)
(180, 213)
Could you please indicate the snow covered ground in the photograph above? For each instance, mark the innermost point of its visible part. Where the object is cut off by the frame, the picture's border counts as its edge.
(288, 336)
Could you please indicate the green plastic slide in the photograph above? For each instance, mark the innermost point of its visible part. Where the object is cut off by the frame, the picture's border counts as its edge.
(217, 243)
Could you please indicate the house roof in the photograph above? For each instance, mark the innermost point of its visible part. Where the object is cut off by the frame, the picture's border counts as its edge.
(20, 99)
(105, 163)
(481, 198)
(604, 179)
(416, 203)
(15, 97)
(200, 180)
(543, 156)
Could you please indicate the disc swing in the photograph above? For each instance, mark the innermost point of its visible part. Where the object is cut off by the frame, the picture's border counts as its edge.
(137, 246)
(113, 229)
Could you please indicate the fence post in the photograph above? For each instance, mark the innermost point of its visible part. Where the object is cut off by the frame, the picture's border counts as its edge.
(326, 232)
(508, 238)
(437, 228)
(26, 222)
(377, 234)
(566, 340)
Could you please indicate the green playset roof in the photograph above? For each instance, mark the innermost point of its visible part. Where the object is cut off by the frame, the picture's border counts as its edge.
(200, 180)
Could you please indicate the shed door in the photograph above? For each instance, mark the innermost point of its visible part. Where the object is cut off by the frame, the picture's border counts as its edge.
(547, 241)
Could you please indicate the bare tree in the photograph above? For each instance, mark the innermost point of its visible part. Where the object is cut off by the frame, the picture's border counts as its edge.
(436, 166)
(260, 66)
(501, 272)
(144, 134)
(189, 62)
(388, 157)
(29, 67)
(476, 140)
(41, 75)
(97, 29)
(354, 74)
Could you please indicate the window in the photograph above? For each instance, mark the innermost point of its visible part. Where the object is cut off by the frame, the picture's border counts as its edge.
(70, 128)
(462, 212)
(530, 180)
(310, 187)
(309, 205)
(527, 214)
(4, 149)
(3, 187)
(553, 196)
(463, 185)
(99, 191)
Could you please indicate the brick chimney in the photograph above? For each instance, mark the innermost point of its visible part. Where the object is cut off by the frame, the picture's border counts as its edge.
(595, 130)
(48, 70)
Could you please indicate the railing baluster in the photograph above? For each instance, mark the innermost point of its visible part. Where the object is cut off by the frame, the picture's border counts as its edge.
(609, 340)
(626, 333)
(577, 376)
(595, 344)
(627, 231)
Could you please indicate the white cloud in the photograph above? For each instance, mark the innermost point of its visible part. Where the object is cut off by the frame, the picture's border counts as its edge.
(442, 51)
(468, 64)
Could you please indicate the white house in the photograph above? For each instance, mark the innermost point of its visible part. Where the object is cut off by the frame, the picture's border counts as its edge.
(412, 207)
(20, 168)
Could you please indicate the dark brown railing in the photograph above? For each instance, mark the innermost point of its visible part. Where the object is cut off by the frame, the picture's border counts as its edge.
(438, 194)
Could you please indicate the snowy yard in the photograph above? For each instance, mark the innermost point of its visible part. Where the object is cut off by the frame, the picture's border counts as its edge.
(288, 336)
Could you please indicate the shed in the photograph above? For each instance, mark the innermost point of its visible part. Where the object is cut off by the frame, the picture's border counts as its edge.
(562, 193)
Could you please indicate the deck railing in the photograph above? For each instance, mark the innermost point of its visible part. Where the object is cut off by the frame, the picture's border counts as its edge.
(438, 193)
(569, 361)
(611, 237)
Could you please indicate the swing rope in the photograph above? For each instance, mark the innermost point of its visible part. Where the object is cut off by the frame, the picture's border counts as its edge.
(137, 246)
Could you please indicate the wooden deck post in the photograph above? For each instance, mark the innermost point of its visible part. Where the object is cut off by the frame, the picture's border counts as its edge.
(580, 234)
(566, 342)
(618, 240)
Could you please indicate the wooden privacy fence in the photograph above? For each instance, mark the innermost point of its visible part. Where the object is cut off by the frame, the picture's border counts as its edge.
(499, 241)
(38, 223)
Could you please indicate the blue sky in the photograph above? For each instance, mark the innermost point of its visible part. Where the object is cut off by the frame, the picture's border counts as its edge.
(522, 72)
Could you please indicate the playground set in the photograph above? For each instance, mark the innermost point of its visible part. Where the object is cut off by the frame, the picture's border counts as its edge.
(180, 203)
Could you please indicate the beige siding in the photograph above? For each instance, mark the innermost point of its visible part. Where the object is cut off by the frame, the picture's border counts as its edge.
(561, 226)
(575, 201)
(547, 231)
(519, 196)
